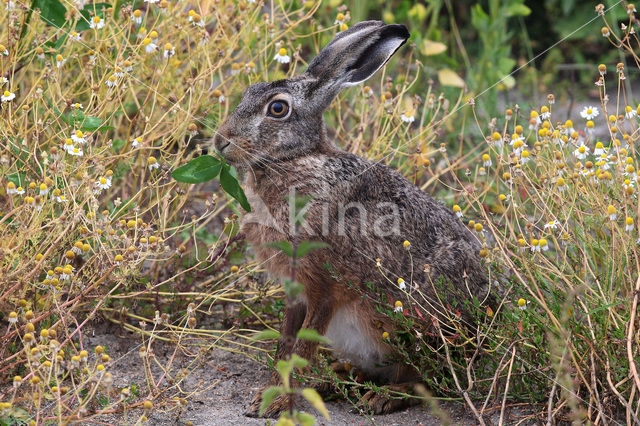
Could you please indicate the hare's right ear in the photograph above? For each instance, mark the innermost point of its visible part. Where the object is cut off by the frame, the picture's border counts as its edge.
(353, 56)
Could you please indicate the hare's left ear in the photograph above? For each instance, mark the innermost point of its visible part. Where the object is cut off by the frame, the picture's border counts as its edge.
(355, 54)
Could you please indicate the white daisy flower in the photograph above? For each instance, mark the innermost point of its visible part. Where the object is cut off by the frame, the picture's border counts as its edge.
(60, 60)
(522, 304)
(149, 46)
(10, 5)
(136, 16)
(78, 137)
(630, 112)
(3, 50)
(599, 149)
(7, 96)
(103, 183)
(68, 145)
(486, 160)
(398, 307)
(551, 225)
(59, 198)
(75, 36)
(20, 190)
(169, 50)
(3, 80)
(136, 142)
(581, 152)
(401, 284)
(407, 117)
(77, 152)
(282, 56)
(96, 23)
(589, 112)
(112, 81)
(628, 224)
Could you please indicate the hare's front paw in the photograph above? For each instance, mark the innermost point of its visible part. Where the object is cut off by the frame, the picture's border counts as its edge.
(379, 403)
(279, 404)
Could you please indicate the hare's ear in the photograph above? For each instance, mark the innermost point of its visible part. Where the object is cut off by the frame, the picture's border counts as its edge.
(356, 54)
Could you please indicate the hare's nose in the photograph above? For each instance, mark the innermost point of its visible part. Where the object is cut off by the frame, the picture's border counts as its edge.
(220, 141)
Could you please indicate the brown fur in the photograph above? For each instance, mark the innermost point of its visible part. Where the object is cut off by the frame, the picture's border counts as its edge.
(275, 155)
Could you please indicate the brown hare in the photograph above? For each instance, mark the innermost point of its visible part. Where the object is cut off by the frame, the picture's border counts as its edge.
(362, 210)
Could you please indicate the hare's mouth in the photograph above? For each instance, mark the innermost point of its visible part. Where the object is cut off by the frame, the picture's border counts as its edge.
(223, 145)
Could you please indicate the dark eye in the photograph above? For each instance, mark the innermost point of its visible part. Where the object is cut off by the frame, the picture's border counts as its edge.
(278, 109)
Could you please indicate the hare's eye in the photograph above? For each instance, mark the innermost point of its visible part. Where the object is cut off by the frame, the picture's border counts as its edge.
(278, 109)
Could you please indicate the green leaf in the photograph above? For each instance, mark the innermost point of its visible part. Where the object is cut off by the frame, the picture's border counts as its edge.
(312, 335)
(198, 170)
(18, 179)
(84, 21)
(267, 335)
(298, 361)
(268, 395)
(284, 369)
(117, 145)
(52, 12)
(307, 246)
(316, 400)
(304, 419)
(292, 288)
(231, 186)
(518, 10)
(83, 122)
(283, 246)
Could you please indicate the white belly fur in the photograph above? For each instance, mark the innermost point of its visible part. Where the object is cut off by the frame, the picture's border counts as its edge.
(350, 339)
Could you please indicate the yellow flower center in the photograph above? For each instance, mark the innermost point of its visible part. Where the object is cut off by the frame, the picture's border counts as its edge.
(282, 51)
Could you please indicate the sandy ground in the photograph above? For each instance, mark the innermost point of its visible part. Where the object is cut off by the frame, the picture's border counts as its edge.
(232, 380)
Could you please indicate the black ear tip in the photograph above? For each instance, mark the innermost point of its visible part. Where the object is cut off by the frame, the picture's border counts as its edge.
(397, 30)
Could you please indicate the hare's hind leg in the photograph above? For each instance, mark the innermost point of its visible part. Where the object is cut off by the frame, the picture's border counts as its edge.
(389, 401)
(294, 316)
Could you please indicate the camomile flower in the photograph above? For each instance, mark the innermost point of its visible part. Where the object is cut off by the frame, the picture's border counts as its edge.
(169, 51)
(44, 190)
(103, 183)
(544, 245)
(19, 190)
(77, 152)
(78, 137)
(628, 224)
(3, 50)
(112, 81)
(611, 211)
(398, 306)
(630, 112)
(589, 112)
(136, 16)
(408, 116)
(96, 23)
(600, 149)
(282, 56)
(77, 106)
(486, 160)
(522, 304)
(218, 95)
(524, 157)
(401, 284)
(496, 139)
(3, 80)
(581, 152)
(11, 188)
(75, 36)
(535, 245)
(60, 60)
(153, 163)
(117, 72)
(149, 46)
(136, 142)
(545, 114)
(457, 210)
(7, 96)
(551, 225)
(340, 19)
(68, 145)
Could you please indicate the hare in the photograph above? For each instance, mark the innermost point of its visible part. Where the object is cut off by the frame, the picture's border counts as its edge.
(362, 210)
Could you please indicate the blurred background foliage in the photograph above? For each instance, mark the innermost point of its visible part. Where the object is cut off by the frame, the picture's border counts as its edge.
(498, 45)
